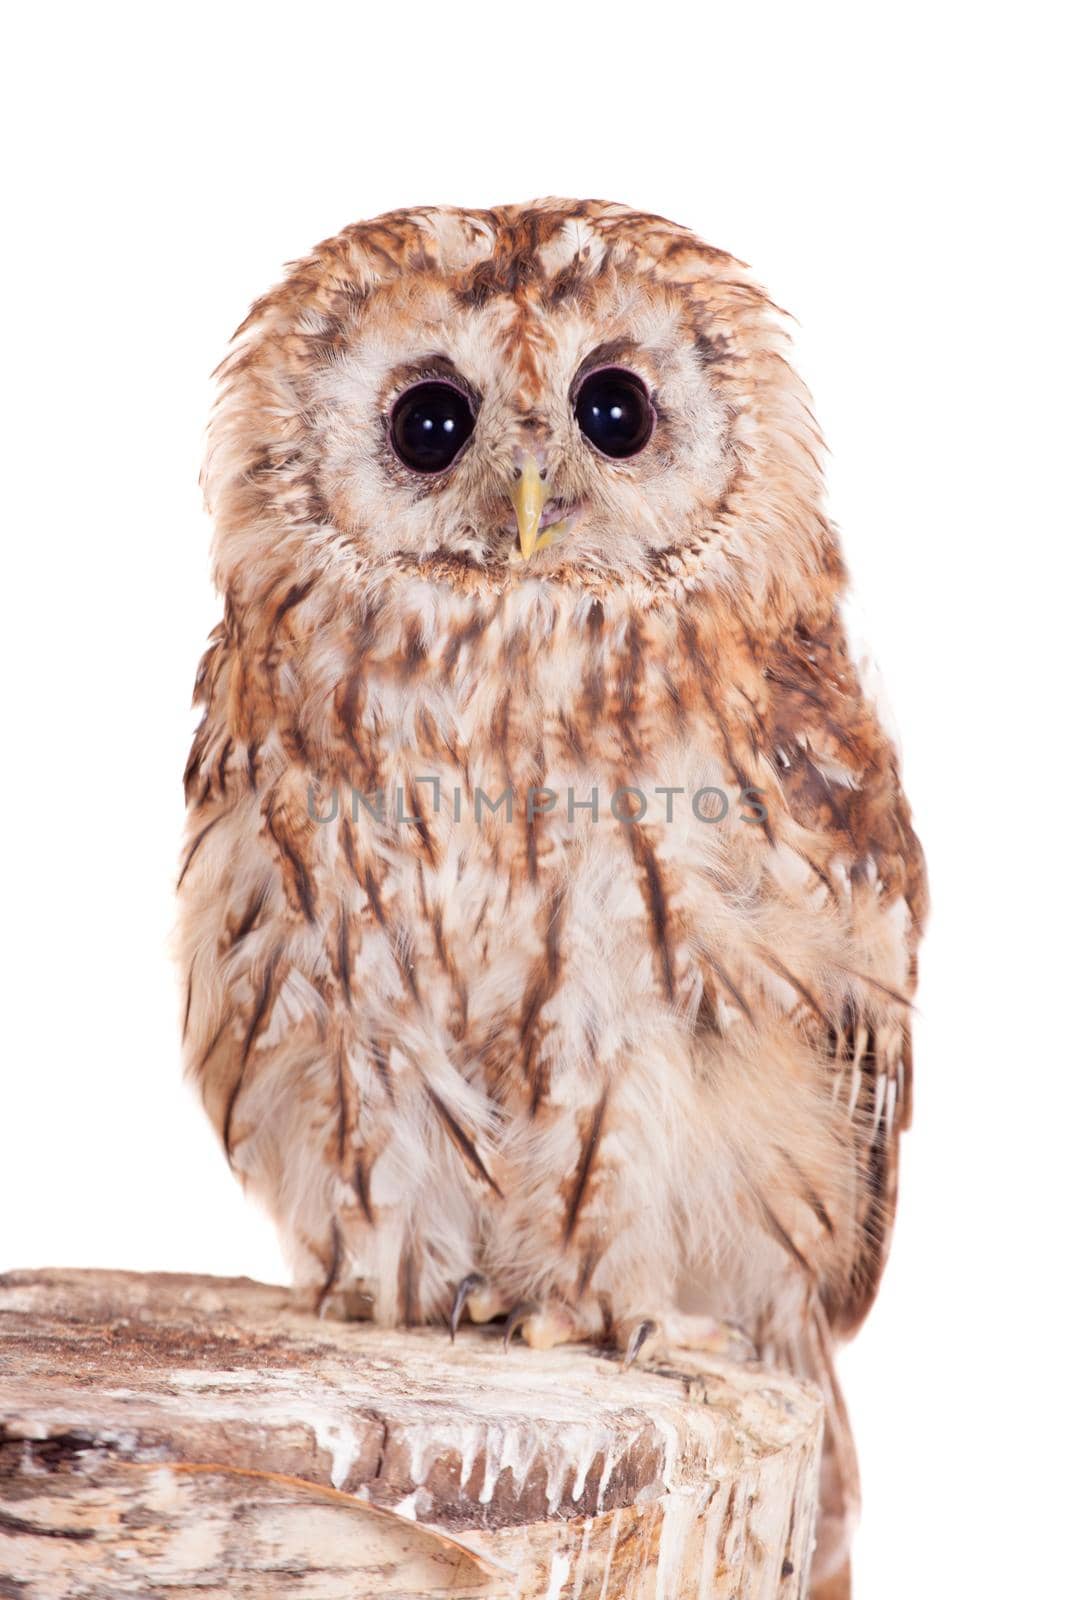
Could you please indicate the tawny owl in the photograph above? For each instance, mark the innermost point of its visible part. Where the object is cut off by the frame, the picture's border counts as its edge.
(550, 902)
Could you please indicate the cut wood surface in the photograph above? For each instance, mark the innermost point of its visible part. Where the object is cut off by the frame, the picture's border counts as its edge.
(210, 1437)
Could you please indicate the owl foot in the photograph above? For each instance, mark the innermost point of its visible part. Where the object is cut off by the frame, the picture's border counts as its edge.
(542, 1326)
(477, 1298)
(538, 1325)
(642, 1338)
(353, 1303)
(484, 1303)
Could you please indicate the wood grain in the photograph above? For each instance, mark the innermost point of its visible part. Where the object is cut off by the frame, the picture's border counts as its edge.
(163, 1434)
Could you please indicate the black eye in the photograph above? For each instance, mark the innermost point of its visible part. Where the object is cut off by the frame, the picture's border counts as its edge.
(614, 412)
(430, 425)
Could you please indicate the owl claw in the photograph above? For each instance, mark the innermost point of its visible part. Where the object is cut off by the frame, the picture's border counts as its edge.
(517, 1319)
(464, 1290)
(716, 1338)
(639, 1333)
(738, 1344)
(681, 1331)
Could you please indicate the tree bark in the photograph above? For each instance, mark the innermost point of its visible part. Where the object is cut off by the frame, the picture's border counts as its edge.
(202, 1438)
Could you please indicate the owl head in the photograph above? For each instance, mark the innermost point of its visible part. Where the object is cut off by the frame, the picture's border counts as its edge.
(565, 393)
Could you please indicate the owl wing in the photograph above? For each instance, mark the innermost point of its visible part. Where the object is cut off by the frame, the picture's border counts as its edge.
(839, 777)
(875, 1074)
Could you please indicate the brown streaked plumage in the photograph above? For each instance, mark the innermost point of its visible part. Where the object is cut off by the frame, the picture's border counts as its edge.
(605, 1073)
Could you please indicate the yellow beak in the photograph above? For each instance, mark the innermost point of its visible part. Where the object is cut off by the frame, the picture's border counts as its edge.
(528, 496)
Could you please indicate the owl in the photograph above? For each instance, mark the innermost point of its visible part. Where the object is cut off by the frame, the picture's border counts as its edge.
(549, 905)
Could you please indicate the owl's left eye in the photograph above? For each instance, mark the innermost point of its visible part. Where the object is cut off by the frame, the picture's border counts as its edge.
(429, 426)
(614, 412)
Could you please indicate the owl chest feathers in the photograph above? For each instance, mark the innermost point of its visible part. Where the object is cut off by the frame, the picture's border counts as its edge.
(533, 820)
(512, 904)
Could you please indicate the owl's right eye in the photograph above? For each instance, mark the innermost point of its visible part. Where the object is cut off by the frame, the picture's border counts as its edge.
(429, 426)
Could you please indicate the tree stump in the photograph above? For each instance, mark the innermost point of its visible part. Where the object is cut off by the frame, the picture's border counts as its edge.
(203, 1438)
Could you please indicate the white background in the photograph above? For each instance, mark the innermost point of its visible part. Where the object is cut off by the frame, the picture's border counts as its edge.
(889, 173)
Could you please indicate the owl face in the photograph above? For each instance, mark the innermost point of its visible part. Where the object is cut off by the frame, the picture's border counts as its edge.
(568, 392)
(520, 434)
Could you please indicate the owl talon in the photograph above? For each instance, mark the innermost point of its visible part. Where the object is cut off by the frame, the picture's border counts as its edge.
(640, 1333)
(683, 1331)
(716, 1338)
(464, 1290)
(517, 1319)
(738, 1340)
